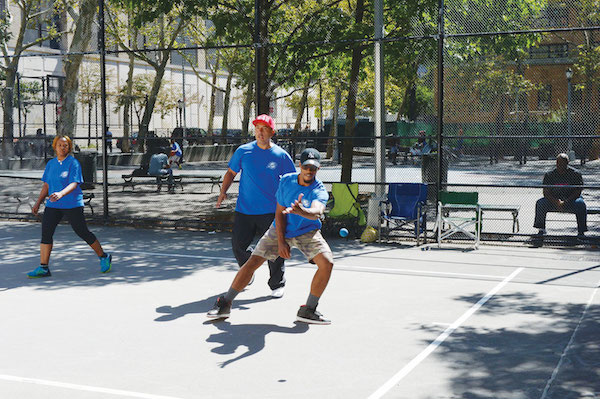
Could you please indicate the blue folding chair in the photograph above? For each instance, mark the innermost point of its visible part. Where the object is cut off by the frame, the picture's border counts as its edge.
(405, 205)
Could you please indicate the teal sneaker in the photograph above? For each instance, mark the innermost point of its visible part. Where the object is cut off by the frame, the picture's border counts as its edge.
(106, 263)
(39, 272)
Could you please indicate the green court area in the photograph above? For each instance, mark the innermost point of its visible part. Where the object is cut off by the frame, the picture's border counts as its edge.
(498, 322)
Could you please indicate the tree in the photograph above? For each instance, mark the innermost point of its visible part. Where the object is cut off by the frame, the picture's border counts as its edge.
(160, 36)
(587, 66)
(83, 20)
(32, 13)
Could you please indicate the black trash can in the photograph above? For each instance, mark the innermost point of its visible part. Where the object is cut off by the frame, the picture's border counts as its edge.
(88, 161)
(429, 174)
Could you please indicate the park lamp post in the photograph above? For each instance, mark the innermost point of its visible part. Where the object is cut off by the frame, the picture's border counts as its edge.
(180, 108)
(570, 152)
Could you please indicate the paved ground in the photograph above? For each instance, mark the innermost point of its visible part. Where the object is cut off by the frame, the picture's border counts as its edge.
(499, 322)
(197, 201)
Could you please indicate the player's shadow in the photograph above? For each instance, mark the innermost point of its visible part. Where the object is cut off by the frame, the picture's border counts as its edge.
(171, 313)
(252, 336)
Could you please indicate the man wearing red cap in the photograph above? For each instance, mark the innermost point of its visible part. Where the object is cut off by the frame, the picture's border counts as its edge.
(262, 164)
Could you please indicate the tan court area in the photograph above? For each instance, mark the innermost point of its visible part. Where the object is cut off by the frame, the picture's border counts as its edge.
(499, 322)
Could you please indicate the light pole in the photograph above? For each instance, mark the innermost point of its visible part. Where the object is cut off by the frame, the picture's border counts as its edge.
(180, 108)
(570, 152)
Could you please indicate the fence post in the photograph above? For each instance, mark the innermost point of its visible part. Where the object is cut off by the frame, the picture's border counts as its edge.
(102, 48)
(440, 110)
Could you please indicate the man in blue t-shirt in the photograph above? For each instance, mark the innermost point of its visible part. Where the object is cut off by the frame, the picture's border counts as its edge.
(159, 166)
(301, 200)
(262, 164)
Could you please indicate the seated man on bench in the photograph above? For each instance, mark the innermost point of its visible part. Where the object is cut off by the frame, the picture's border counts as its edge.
(159, 166)
(561, 199)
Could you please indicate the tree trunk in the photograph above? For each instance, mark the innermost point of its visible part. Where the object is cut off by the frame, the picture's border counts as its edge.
(125, 147)
(247, 108)
(212, 103)
(81, 39)
(348, 145)
(357, 56)
(301, 106)
(149, 108)
(334, 122)
(226, 104)
(7, 110)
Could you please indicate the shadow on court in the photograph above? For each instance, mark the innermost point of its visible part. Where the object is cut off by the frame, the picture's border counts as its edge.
(74, 264)
(203, 306)
(252, 336)
(517, 361)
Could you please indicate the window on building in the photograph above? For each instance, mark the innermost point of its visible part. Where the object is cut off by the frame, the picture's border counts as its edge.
(549, 51)
(545, 97)
(54, 88)
(191, 54)
(219, 103)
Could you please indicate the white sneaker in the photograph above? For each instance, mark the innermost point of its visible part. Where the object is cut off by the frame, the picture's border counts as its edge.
(278, 292)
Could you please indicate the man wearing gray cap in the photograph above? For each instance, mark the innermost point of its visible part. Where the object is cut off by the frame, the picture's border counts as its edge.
(301, 200)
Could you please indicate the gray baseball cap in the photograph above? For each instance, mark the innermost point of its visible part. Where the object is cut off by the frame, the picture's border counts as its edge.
(310, 156)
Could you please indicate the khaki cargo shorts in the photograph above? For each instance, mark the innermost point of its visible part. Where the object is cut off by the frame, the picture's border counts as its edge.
(310, 244)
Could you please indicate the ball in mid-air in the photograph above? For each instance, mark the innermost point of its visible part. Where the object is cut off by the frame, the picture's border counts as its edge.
(343, 232)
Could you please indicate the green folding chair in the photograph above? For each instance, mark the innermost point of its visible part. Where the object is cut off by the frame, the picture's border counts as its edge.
(346, 209)
(461, 212)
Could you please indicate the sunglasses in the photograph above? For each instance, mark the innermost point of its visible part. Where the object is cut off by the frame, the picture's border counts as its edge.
(312, 168)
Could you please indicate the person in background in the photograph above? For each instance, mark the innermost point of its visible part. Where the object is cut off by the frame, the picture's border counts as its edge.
(62, 178)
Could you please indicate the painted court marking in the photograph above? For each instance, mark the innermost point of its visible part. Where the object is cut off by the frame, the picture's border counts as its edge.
(564, 354)
(87, 388)
(5, 238)
(440, 339)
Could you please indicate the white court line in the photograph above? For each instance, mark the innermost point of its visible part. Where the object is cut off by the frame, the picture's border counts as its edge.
(87, 388)
(440, 339)
(306, 264)
(564, 354)
(5, 238)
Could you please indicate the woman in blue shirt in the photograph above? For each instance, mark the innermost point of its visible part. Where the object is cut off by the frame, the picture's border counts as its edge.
(62, 178)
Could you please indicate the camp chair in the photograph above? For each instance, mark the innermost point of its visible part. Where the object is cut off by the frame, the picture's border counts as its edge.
(346, 209)
(469, 215)
(405, 205)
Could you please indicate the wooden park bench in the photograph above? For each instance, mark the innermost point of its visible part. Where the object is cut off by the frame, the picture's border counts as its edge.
(87, 200)
(130, 180)
(26, 199)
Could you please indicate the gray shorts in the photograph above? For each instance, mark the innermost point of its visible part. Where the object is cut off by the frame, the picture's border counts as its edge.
(310, 244)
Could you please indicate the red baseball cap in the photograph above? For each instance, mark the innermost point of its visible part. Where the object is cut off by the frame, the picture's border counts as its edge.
(266, 119)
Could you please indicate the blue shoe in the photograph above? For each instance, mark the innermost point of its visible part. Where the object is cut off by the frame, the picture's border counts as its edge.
(39, 272)
(106, 263)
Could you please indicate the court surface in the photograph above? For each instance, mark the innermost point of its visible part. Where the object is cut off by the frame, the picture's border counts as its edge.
(499, 322)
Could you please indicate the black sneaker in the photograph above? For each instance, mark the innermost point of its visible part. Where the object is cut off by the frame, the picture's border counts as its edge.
(221, 310)
(311, 316)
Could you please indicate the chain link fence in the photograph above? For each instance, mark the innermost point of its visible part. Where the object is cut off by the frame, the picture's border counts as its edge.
(499, 89)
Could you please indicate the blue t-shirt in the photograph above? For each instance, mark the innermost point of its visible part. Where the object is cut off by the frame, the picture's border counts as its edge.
(176, 148)
(59, 175)
(288, 192)
(261, 171)
(157, 162)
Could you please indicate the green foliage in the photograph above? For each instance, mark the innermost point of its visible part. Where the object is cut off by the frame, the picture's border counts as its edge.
(30, 92)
